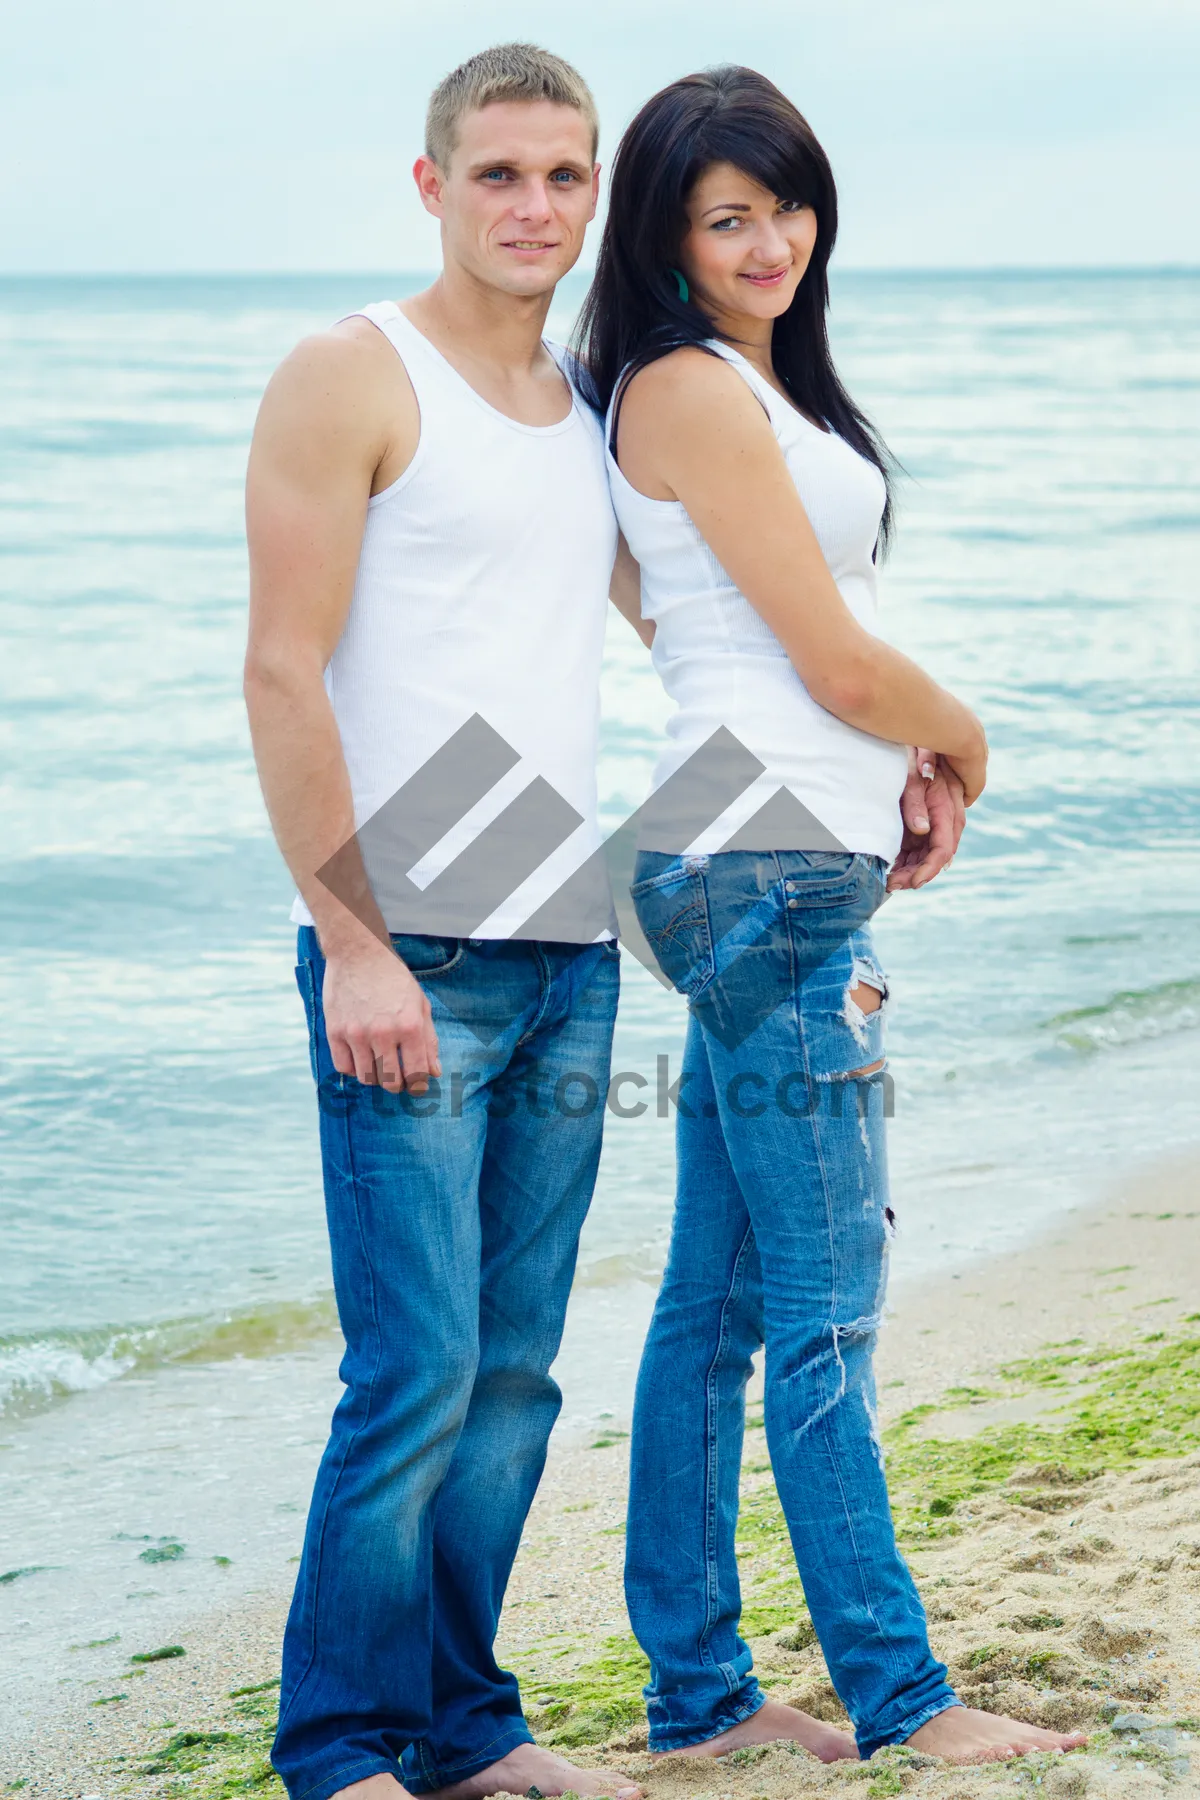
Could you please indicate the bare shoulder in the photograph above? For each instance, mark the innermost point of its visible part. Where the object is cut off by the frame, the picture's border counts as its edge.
(689, 388)
(343, 390)
(334, 369)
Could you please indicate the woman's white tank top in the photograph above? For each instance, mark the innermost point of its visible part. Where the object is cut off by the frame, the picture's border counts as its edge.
(723, 666)
(482, 589)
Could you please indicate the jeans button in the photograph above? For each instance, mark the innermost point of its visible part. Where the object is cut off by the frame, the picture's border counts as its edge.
(793, 904)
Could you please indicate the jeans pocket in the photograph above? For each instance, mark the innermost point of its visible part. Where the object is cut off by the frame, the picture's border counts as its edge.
(829, 878)
(428, 956)
(672, 910)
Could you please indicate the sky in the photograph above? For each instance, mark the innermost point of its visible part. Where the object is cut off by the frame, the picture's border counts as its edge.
(214, 135)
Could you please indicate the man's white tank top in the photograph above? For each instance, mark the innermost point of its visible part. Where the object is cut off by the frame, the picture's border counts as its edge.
(723, 666)
(476, 630)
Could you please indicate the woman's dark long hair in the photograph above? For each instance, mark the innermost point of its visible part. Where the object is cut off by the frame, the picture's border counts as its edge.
(635, 313)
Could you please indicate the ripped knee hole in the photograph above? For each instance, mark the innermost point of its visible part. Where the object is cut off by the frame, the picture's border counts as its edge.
(868, 999)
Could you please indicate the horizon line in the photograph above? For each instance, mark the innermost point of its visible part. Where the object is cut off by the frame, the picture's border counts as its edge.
(298, 274)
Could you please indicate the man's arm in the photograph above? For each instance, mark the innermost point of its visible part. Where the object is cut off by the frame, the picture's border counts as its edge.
(335, 413)
(625, 591)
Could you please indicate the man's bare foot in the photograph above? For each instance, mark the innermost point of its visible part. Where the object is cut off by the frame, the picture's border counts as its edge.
(530, 1766)
(773, 1721)
(962, 1735)
(375, 1787)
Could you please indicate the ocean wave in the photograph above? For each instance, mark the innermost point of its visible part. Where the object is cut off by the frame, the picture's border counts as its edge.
(618, 1271)
(1130, 1017)
(39, 1368)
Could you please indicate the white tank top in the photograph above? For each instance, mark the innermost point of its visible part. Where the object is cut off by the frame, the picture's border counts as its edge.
(723, 666)
(476, 629)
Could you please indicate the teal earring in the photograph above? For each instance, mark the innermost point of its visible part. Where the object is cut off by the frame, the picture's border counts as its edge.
(682, 285)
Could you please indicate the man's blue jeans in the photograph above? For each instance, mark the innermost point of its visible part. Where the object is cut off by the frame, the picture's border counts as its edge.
(454, 1222)
(780, 1235)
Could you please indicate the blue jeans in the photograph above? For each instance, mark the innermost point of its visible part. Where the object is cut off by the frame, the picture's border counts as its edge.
(454, 1222)
(780, 1236)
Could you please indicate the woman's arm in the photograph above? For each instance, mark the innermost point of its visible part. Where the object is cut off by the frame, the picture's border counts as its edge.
(693, 430)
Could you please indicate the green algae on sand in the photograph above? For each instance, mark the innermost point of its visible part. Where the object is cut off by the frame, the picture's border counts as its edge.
(1119, 1407)
(218, 1764)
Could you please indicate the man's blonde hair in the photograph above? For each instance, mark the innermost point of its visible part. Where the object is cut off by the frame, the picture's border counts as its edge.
(505, 72)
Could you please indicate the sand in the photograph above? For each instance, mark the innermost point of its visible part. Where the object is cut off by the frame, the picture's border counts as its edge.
(1100, 1586)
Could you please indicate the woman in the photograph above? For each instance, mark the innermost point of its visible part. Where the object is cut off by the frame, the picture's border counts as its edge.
(754, 495)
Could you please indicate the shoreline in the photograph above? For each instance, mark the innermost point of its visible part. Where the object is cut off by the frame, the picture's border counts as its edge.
(1117, 1273)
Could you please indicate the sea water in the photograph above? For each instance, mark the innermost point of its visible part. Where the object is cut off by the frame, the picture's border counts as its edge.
(167, 1343)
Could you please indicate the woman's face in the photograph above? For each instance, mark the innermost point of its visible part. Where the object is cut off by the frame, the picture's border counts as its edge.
(744, 251)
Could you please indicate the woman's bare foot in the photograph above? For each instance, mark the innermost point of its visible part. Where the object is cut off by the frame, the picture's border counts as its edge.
(962, 1735)
(773, 1721)
(530, 1766)
(375, 1787)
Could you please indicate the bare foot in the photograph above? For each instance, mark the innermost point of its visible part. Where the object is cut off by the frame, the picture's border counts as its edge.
(375, 1787)
(962, 1735)
(530, 1766)
(773, 1721)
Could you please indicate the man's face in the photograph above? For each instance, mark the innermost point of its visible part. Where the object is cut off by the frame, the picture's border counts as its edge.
(518, 195)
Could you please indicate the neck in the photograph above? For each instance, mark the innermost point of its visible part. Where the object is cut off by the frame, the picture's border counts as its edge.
(751, 335)
(504, 329)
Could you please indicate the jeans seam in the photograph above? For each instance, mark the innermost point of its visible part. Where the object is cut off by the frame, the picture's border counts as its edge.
(798, 1022)
(432, 1770)
(712, 1584)
(824, 1419)
(353, 1436)
(684, 1740)
(884, 1642)
(907, 1727)
(710, 944)
(376, 1764)
(310, 998)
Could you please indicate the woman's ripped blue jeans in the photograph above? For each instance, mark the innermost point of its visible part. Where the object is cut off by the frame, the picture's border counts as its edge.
(780, 1237)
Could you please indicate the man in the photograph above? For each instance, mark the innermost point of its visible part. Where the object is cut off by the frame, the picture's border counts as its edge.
(431, 547)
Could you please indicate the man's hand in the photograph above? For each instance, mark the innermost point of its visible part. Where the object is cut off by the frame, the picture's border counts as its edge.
(934, 815)
(378, 1020)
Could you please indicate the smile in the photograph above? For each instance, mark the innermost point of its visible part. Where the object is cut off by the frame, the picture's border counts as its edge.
(772, 278)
